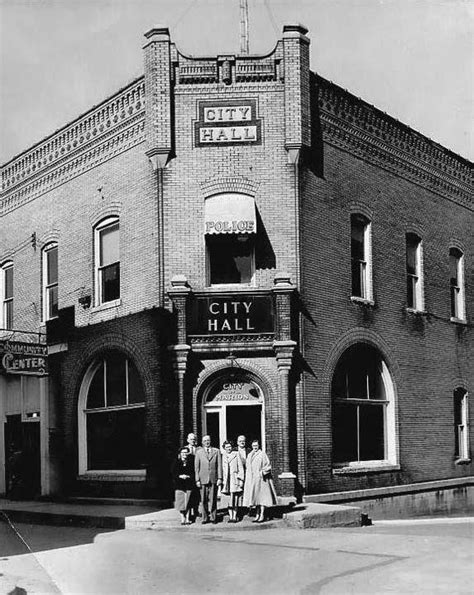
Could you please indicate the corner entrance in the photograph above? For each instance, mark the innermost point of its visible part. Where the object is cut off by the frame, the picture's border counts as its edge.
(234, 406)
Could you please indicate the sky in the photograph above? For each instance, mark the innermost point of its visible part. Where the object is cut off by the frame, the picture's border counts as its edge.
(413, 59)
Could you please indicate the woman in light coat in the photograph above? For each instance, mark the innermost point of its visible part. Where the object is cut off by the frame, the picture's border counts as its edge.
(259, 489)
(233, 479)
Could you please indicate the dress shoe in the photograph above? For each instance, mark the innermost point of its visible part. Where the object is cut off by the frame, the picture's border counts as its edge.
(205, 522)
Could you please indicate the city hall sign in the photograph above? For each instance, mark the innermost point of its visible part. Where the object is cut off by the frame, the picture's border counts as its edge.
(230, 122)
(218, 315)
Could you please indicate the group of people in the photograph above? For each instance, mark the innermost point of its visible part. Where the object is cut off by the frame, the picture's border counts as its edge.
(242, 474)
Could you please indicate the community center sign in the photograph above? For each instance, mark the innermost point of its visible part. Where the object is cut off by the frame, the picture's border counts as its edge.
(231, 122)
(23, 358)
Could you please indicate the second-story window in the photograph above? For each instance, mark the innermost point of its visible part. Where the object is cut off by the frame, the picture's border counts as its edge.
(414, 272)
(50, 281)
(107, 258)
(361, 257)
(230, 229)
(456, 270)
(7, 296)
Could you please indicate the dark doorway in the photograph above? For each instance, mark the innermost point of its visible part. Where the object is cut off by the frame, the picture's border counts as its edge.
(246, 420)
(22, 458)
(213, 427)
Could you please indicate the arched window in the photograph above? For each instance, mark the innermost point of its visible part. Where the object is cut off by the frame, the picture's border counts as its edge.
(50, 281)
(456, 269)
(414, 266)
(107, 261)
(363, 408)
(6, 295)
(361, 257)
(111, 416)
(230, 229)
(461, 425)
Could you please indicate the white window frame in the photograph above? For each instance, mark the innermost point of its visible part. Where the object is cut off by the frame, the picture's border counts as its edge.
(365, 266)
(462, 428)
(46, 286)
(103, 225)
(457, 294)
(83, 412)
(417, 280)
(4, 301)
(390, 459)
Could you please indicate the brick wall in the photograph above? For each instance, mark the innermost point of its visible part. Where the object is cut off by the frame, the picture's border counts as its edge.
(427, 355)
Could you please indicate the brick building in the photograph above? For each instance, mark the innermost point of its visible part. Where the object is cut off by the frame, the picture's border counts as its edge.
(236, 245)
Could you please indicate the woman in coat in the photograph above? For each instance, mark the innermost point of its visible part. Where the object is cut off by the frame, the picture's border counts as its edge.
(259, 489)
(183, 475)
(233, 479)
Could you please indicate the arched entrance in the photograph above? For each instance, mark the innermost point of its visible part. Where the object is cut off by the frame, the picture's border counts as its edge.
(233, 404)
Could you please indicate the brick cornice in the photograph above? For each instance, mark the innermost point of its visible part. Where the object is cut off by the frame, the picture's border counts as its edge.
(105, 131)
(353, 125)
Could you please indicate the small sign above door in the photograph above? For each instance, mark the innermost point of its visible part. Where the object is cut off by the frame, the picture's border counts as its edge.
(231, 390)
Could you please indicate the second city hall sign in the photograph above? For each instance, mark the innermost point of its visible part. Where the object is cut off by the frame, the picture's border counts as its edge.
(231, 122)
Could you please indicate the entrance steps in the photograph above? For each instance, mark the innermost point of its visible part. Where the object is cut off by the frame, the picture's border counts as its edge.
(303, 516)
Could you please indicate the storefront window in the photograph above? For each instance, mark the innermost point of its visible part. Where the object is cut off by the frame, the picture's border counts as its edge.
(115, 415)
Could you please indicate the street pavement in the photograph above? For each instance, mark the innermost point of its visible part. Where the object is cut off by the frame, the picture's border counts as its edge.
(419, 556)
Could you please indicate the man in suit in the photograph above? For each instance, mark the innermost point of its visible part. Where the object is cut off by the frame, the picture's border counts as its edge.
(191, 445)
(242, 448)
(208, 468)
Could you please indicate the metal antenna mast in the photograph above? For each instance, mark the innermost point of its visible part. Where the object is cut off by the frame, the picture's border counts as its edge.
(244, 28)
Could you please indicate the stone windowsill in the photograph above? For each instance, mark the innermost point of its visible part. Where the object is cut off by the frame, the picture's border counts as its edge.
(366, 467)
(362, 301)
(458, 320)
(462, 461)
(114, 475)
(415, 312)
(106, 306)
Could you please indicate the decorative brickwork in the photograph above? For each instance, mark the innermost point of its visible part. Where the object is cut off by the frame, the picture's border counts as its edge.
(355, 126)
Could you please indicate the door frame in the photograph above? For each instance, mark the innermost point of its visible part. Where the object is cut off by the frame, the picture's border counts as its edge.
(221, 409)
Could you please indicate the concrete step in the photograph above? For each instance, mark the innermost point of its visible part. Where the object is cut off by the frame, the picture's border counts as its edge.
(303, 516)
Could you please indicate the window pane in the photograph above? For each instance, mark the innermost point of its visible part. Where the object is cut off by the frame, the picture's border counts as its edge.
(116, 439)
(135, 389)
(230, 259)
(357, 238)
(52, 266)
(110, 282)
(109, 245)
(357, 280)
(412, 245)
(52, 293)
(8, 314)
(453, 266)
(371, 428)
(116, 379)
(357, 380)
(8, 283)
(95, 397)
(411, 288)
(345, 433)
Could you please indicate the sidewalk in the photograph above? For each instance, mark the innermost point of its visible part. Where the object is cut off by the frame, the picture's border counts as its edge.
(139, 517)
(74, 514)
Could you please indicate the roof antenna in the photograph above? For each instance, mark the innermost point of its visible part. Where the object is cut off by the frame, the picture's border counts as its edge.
(244, 28)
